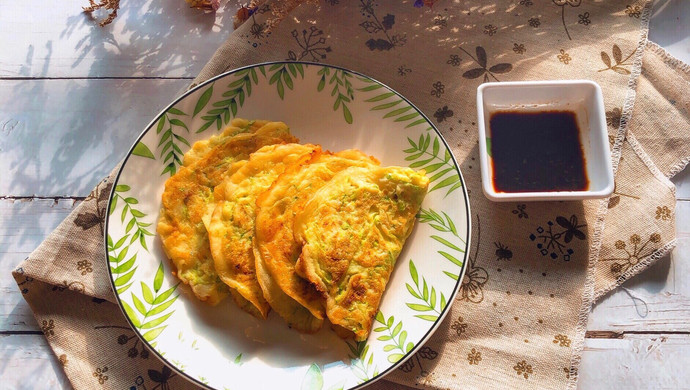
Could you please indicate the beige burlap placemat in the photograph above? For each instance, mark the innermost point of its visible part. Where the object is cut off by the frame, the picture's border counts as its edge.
(535, 268)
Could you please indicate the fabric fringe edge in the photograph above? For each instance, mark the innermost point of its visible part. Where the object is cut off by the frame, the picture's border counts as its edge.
(675, 64)
(676, 169)
(669, 59)
(642, 154)
(588, 297)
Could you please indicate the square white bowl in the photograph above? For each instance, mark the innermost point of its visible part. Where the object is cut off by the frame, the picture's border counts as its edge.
(583, 97)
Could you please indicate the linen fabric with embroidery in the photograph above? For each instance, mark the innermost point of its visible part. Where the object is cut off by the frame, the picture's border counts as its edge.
(534, 268)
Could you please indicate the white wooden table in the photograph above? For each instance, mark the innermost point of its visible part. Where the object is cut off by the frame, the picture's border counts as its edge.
(63, 79)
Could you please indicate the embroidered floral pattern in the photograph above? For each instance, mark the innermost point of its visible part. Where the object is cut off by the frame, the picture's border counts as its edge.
(403, 70)
(519, 49)
(633, 11)
(561, 340)
(84, 266)
(438, 90)
(520, 211)
(471, 287)
(584, 19)
(48, 327)
(375, 26)
(490, 30)
(554, 239)
(524, 369)
(619, 66)
(100, 374)
(482, 70)
(534, 22)
(258, 30)
(313, 45)
(454, 60)
(425, 353)
(564, 57)
(124, 339)
(474, 357)
(632, 256)
(459, 326)
(663, 213)
(443, 113)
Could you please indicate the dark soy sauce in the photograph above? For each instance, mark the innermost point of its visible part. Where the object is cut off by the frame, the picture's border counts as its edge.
(537, 151)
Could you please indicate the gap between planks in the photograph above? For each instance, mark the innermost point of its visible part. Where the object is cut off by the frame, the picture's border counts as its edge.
(30, 78)
(609, 334)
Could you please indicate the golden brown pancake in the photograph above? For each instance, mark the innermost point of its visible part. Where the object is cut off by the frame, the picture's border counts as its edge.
(231, 227)
(237, 126)
(275, 249)
(352, 231)
(185, 201)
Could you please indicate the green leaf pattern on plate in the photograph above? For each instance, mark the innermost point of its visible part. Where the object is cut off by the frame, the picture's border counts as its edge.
(342, 89)
(313, 379)
(121, 267)
(437, 163)
(140, 232)
(238, 90)
(151, 308)
(141, 150)
(428, 297)
(282, 75)
(445, 225)
(170, 140)
(396, 335)
(392, 105)
(362, 361)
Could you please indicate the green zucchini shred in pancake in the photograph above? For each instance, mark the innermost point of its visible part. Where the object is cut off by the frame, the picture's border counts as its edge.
(352, 231)
(189, 192)
(275, 248)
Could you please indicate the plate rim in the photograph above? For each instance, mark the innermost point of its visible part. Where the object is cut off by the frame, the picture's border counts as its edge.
(431, 330)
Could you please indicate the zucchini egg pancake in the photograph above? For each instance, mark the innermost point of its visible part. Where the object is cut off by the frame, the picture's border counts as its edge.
(231, 226)
(352, 231)
(276, 251)
(311, 234)
(189, 192)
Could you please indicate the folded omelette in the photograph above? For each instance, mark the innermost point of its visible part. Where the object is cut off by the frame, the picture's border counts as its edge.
(231, 226)
(275, 249)
(351, 232)
(189, 192)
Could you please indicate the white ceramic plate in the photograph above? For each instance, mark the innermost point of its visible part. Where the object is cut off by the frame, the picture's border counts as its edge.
(223, 347)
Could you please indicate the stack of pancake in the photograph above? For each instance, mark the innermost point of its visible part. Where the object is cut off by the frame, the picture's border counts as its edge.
(312, 234)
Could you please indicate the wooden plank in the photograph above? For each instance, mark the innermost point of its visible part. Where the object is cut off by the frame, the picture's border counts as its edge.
(658, 299)
(29, 363)
(682, 182)
(636, 362)
(61, 137)
(668, 27)
(151, 38)
(23, 226)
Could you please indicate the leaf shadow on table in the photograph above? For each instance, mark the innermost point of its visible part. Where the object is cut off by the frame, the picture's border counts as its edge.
(136, 43)
(101, 115)
(76, 131)
(71, 132)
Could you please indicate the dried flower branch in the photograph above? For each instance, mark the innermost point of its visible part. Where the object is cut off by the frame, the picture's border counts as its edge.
(113, 5)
